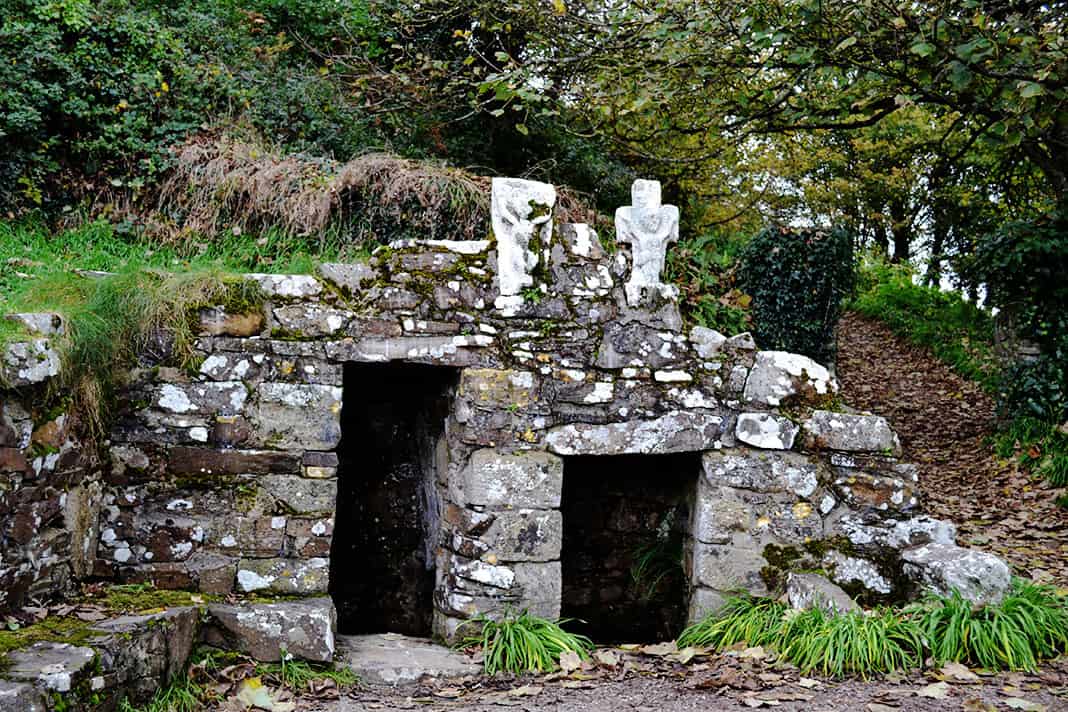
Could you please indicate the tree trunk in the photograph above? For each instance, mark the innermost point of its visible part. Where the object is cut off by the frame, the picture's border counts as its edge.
(901, 231)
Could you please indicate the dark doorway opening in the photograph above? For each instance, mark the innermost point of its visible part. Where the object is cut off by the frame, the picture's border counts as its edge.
(382, 557)
(626, 529)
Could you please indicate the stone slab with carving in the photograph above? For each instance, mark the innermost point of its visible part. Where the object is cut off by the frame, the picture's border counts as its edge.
(521, 212)
(648, 227)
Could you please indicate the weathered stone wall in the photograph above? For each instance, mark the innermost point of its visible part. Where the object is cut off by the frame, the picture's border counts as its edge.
(225, 477)
(50, 486)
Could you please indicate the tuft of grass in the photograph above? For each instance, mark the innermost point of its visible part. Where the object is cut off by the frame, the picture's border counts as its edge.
(955, 330)
(851, 643)
(1027, 626)
(295, 675)
(525, 643)
(182, 694)
(655, 562)
(111, 321)
(742, 619)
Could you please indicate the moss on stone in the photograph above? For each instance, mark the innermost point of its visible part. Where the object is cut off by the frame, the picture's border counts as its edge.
(142, 598)
(56, 629)
(803, 558)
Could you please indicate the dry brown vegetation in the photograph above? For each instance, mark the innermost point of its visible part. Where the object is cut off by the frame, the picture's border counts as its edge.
(223, 183)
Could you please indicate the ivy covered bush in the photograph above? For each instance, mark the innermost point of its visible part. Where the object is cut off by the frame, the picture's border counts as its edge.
(798, 279)
(1023, 267)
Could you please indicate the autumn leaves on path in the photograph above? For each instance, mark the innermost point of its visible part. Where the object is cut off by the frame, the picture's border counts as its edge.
(943, 421)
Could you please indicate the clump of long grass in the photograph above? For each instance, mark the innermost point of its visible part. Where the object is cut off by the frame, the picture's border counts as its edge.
(111, 321)
(850, 643)
(182, 694)
(742, 619)
(521, 642)
(1027, 626)
(296, 675)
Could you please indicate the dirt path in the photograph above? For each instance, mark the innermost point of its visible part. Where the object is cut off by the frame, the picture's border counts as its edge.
(720, 683)
(943, 420)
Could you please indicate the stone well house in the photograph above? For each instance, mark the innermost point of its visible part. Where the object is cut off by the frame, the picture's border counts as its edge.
(458, 428)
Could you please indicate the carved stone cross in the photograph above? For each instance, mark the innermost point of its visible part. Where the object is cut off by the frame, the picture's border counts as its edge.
(648, 227)
(521, 212)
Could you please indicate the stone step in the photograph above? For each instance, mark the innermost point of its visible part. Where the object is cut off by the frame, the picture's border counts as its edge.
(394, 659)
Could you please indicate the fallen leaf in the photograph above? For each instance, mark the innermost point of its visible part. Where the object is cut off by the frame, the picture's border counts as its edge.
(958, 673)
(976, 704)
(754, 653)
(880, 707)
(936, 691)
(1019, 703)
(660, 649)
(253, 693)
(570, 661)
(323, 689)
(686, 654)
(606, 658)
(758, 702)
(808, 683)
(525, 691)
(448, 693)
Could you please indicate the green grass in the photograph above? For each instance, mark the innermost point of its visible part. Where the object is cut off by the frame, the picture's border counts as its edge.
(296, 674)
(521, 642)
(655, 562)
(30, 251)
(1029, 625)
(181, 695)
(743, 619)
(151, 289)
(850, 643)
(955, 330)
(109, 321)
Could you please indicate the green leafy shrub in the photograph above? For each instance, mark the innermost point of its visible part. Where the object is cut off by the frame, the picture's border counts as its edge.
(1039, 446)
(1028, 625)
(704, 267)
(798, 280)
(954, 329)
(100, 90)
(525, 643)
(1023, 268)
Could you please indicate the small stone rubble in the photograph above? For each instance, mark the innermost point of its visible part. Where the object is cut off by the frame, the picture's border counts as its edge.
(224, 478)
